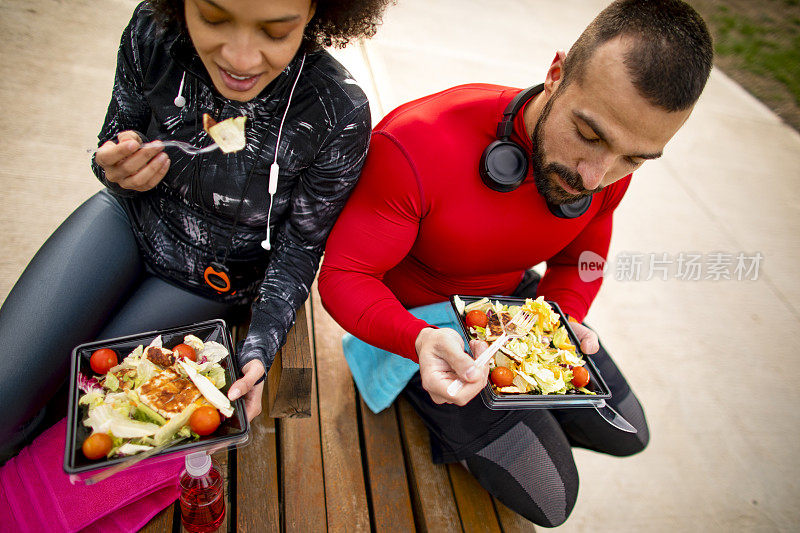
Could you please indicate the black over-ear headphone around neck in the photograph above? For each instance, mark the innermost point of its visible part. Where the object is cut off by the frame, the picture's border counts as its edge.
(504, 163)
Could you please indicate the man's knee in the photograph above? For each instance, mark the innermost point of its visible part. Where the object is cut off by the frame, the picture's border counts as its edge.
(632, 443)
(545, 500)
(530, 469)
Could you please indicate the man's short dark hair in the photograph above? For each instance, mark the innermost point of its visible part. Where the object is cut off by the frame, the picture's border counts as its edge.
(671, 56)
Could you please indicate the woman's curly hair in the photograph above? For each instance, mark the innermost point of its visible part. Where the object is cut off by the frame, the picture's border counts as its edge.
(335, 23)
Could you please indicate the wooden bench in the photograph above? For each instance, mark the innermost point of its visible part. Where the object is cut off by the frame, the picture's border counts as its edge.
(330, 464)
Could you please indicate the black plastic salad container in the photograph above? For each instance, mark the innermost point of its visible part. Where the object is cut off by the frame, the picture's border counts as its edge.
(492, 400)
(232, 431)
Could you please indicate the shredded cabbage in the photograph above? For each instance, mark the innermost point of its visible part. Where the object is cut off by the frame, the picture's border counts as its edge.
(538, 366)
(212, 352)
(459, 303)
(111, 382)
(194, 342)
(130, 449)
(104, 419)
(89, 384)
(92, 398)
(167, 432)
(216, 374)
(157, 343)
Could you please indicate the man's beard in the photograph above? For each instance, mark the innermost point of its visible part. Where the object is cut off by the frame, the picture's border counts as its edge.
(547, 186)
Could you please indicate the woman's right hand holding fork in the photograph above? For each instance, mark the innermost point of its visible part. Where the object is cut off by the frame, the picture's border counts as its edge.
(131, 164)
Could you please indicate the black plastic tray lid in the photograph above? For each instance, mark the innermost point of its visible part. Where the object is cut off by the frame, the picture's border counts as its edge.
(539, 401)
(232, 432)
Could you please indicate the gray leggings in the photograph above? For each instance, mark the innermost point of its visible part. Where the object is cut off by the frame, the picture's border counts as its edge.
(87, 282)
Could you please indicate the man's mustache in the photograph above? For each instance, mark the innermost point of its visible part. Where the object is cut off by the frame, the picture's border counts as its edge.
(573, 179)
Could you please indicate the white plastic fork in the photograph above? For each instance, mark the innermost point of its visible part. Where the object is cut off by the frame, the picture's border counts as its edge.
(180, 145)
(519, 326)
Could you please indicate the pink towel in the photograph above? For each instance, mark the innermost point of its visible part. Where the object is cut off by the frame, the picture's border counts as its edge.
(36, 494)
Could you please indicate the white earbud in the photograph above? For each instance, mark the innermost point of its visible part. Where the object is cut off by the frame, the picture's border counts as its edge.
(274, 168)
(180, 101)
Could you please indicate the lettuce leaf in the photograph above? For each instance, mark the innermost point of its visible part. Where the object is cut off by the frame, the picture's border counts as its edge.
(104, 419)
(168, 431)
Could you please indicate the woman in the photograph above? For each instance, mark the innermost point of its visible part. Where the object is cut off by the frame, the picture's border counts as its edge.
(176, 238)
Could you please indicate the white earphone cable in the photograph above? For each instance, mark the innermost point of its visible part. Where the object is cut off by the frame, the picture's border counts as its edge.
(286, 111)
(274, 169)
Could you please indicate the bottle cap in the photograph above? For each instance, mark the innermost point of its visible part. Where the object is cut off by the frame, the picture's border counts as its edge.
(198, 464)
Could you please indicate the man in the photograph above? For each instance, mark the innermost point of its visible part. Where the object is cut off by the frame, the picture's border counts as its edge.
(437, 213)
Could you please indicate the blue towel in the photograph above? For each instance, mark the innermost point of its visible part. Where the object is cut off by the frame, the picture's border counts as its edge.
(380, 375)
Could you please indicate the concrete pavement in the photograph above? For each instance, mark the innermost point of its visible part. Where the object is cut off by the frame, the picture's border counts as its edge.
(712, 360)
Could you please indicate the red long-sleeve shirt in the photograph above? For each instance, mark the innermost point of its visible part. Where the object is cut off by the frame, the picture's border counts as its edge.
(421, 225)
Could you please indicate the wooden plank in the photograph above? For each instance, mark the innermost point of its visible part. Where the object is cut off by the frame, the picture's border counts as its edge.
(257, 494)
(510, 521)
(345, 492)
(388, 484)
(271, 383)
(222, 458)
(432, 496)
(163, 521)
(289, 378)
(239, 332)
(474, 503)
(301, 471)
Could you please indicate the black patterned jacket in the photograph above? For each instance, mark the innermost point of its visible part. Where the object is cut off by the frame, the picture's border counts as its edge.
(186, 222)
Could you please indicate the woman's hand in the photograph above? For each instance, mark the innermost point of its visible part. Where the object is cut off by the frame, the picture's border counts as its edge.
(442, 360)
(587, 337)
(132, 165)
(244, 386)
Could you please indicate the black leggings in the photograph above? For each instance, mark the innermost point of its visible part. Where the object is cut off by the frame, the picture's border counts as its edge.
(524, 457)
(530, 468)
(86, 282)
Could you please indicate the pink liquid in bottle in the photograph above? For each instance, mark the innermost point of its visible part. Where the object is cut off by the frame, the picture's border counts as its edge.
(202, 497)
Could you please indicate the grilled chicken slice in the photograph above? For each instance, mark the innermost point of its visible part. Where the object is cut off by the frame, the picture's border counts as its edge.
(160, 356)
(168, 393)
(493, 328)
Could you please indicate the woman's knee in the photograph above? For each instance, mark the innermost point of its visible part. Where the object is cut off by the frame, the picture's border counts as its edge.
(72, 285)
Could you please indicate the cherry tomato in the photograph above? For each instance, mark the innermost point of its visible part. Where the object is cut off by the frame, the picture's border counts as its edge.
(103, 360)
(97, 445)
(184, 350)
(476, 318)
(502, 376)
(580, 376)
(205, 420)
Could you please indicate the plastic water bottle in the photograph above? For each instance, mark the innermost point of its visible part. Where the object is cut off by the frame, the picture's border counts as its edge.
(202, 494)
